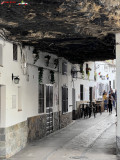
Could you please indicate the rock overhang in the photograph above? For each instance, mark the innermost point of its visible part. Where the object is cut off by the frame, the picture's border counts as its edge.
(79, 30)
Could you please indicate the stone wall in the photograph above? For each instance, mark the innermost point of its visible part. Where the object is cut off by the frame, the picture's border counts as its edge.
(118, 145)
(13, 139)
(56, 121)
(65, 119)
(2, 143)
(36, 127)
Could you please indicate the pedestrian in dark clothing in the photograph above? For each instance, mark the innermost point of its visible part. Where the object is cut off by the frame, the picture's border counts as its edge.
(104, 92)
(113, 95)
(110, 99)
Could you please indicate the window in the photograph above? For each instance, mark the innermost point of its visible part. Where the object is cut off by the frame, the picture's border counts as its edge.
(86, 68)
(41, 98)
(64, 99)
(14, 52)
(49, 96)
(81, 92)
(64, 68)
(1, 56)
(74, 72)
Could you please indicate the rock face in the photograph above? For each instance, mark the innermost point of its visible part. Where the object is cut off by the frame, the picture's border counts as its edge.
(79, 30)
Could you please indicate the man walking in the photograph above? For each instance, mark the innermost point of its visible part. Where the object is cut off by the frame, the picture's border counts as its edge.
(110, 99)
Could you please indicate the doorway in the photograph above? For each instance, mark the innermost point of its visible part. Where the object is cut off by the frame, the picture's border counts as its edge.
(73, 104)
(90, 94)
(49, 109)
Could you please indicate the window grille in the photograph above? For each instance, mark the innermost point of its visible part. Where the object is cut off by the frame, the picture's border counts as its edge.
(64, 99)
(41, 98)
(14, 52)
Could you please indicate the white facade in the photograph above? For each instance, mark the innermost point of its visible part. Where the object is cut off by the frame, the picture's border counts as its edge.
(20, 101)
(106, 76)
(85, 81)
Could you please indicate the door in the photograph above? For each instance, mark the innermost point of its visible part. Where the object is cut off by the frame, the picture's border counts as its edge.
(90, 94)
(81, 92)
(73, 104)
(64, 99)
(73, 98)
(49, 109)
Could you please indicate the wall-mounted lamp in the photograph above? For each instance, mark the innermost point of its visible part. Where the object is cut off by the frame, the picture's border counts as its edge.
(56, 63)
(16, 79)
(35, 55)
(47, 58)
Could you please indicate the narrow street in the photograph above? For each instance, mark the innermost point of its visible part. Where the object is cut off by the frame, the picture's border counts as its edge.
(84, 139)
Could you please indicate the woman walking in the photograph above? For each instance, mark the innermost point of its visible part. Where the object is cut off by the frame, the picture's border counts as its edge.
(105, 101)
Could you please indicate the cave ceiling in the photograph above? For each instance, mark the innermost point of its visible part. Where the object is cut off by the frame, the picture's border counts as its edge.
(79, 30)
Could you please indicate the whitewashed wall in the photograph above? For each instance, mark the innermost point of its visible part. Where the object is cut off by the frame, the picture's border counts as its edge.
(29, 88)
(84, 81)
(29, 83)
(100, 68)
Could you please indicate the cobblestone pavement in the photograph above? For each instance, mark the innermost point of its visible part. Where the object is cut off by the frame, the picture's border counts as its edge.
(84, 139)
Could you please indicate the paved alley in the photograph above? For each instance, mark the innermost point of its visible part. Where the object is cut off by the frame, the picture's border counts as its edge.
(84, 139)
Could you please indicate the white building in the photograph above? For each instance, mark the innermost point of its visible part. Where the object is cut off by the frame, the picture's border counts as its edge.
(44, 98)
(105, 75)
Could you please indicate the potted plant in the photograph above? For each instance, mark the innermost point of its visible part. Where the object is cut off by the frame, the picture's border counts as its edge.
(95, 75)
(88, 71)
(56, 63)
(83, 74)
(47, 59)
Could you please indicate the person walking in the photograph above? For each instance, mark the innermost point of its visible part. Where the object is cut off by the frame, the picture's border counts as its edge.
(113, 95)
(116, 101)
(105, 101)
(110, 99)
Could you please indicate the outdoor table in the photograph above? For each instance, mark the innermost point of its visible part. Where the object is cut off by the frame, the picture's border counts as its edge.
(98, 106)
(81, 110)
